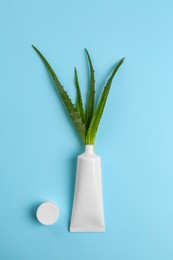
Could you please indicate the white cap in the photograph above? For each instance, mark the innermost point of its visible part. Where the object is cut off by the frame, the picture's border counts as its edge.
(47, 213)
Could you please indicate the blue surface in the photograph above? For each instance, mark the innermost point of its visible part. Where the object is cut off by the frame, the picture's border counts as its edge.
(38, 144)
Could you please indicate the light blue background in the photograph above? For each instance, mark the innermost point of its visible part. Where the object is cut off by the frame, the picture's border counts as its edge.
(38, 144)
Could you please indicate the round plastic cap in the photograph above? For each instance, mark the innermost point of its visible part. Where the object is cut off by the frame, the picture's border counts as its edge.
(47, 213)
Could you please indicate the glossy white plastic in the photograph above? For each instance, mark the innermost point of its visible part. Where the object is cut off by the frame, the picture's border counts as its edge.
(87, 213)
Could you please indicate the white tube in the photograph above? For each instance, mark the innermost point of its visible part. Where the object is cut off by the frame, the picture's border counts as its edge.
(87, 213)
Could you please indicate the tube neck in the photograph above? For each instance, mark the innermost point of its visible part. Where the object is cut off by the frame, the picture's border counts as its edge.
(89, 148)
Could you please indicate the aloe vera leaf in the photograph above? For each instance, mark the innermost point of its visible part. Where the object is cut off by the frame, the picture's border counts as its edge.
(90, 103)
(91, 133)
(79, 102)
(72, 111)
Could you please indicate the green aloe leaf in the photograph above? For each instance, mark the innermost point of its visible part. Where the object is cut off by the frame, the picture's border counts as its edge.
(79, 102)
(91, 133)
(72, 111)
(90, 104)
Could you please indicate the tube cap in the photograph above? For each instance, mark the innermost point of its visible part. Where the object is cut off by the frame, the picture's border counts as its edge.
(47, 213)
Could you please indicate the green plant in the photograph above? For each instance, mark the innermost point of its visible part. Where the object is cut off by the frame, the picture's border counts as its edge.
(86, 123)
